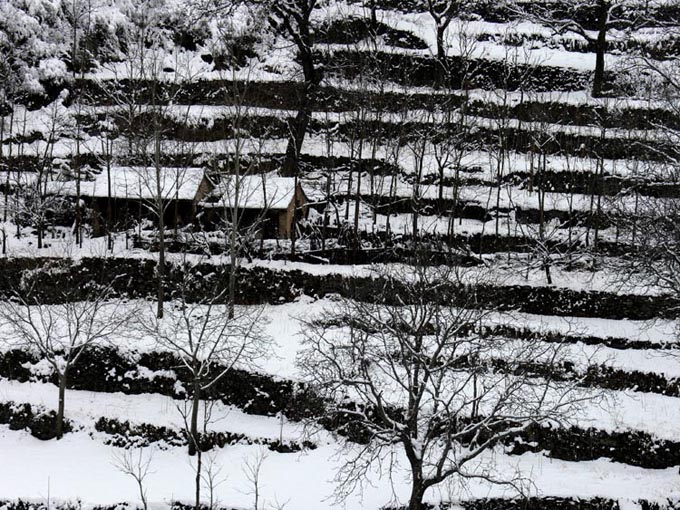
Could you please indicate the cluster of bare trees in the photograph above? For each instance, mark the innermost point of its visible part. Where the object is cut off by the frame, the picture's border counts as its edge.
(208, 337)
(412, 372)
(652, 229)
(135, 127)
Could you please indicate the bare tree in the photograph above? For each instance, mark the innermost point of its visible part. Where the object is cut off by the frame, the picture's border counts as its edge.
(240, 192)
(443, 12)
(419, 147)
(208, 343)
(592, 20)
(502, 124)
(79, 16)
(59, 333)
(26, 37)
(542, 235)
(416, 381)
(10, 79)
(291, 20)
(206, 475)
(138, 112)
(38, 200)
(137, 465)
(212, 478)
(104, 150)
(252, 469)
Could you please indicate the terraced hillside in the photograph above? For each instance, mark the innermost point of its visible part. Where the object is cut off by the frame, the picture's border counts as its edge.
(467, 189)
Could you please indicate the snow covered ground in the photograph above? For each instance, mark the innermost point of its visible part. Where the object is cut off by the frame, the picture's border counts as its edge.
(502, 269)
(80, 465)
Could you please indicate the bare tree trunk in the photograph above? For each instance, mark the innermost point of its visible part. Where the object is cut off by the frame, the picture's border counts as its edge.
(635, 214)
(303, 38)
(297, 135)
(598, 209)
(176, 211)
(160, 268)
(233, 232)
(600, 49)
(232, 273)
(199, 466)
(499, 182)
(442, 77)
(417, 491)
(374, 16)
(109, 204)
(349, 189)
(76, 64)
(16, 196)
(59, 426)
(79, 213)
(2, 141)
(541, 216)
(324, 232)
(293, 223)
(193, 426)
(357, 197)
(40, 234)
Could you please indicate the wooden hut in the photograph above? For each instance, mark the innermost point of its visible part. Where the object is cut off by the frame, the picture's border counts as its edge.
(129, 194)
(271, 204)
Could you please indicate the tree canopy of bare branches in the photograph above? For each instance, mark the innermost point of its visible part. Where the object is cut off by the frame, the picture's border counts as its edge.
(60, 333)
(419, 382)
(208, 341)
(603, 15)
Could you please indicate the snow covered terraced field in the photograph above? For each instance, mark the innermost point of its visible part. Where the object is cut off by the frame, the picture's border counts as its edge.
(469, 298)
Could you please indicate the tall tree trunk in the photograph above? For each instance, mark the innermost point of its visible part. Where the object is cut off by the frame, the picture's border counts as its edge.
(109, 203)
(2, 163)
(233, 251)
(293, 223)
(79, 212)
(298, 130)
(499, 182)
(76, 160)
(40, 234)
(160, 210)
(233, 267)
(160, 269)
(417, 492)
(349, 188)
(357, 196)
(442, 75)
(326, 219)
(374, 15)
(600, 48)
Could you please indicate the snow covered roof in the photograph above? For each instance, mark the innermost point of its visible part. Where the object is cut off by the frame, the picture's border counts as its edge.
(254, 192)
(139, 183)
